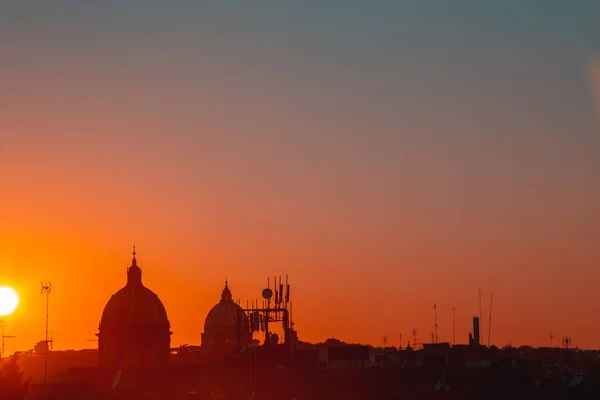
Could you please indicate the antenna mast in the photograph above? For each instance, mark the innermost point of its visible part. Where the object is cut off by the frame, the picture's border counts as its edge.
(551, 337)
(46, 288)
(480, 318)
(490, 322)
(453, 325)
(435, 324)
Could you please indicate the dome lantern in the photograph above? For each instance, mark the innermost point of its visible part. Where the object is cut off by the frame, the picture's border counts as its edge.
(134, 273)
(226, 294)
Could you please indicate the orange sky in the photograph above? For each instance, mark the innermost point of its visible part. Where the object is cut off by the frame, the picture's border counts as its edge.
(384, 166)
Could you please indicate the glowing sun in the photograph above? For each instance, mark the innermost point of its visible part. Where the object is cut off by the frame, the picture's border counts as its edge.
(9, 300)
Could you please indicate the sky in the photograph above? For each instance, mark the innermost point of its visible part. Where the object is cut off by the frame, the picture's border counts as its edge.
(386, 155)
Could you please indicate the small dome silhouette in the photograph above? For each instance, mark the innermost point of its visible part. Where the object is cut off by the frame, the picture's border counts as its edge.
(221, 331)
(224, 314)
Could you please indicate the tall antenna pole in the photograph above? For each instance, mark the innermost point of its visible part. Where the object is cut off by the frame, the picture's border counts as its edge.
(480, 318)
(414, 338)
(480, 313)
(46, 288)
(453, 325)
(490, 322)
(435, 325)
(551, 337)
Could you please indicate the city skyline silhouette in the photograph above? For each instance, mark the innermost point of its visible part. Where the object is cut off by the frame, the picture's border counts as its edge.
(387, 157)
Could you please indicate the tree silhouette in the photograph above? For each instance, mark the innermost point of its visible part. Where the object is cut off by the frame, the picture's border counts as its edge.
(11, 380)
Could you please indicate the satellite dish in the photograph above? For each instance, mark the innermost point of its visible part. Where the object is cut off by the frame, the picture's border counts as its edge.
(267, 293)
(116, 378)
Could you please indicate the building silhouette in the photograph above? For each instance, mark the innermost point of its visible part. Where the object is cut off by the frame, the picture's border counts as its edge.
(220, 326)
(134, 329)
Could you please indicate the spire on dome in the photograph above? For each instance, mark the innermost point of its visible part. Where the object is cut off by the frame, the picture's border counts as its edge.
(226, 295)
(134, 262)
(134, 273)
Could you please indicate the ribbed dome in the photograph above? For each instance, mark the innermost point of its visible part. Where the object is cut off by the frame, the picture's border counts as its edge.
(224, 314)
(134, 305)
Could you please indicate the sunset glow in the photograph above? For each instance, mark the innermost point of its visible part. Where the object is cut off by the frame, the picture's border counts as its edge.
(386, 156)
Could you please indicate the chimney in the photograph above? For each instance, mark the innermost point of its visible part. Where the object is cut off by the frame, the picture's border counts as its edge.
(476, 337)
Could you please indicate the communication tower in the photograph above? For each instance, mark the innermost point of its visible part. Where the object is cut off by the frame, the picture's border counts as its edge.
(276, 306)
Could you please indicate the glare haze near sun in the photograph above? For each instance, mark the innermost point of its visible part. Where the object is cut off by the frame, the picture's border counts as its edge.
(9, 300)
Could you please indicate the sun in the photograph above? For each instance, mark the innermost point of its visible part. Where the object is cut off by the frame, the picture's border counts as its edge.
(9, 300)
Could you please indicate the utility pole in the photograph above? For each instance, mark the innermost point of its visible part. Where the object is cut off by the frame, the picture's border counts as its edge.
(46, 288)
(3, 321)
(453, 325)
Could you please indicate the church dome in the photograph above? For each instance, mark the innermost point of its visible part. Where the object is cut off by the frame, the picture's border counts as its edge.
(134, 305)
(224, 314)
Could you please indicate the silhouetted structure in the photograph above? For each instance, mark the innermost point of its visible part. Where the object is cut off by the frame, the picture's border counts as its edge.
(220, 334)
(134, 329)
(476, 335)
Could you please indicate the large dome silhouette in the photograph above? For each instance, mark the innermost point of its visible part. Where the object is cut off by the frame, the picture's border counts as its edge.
(134, 305)
(134, 328)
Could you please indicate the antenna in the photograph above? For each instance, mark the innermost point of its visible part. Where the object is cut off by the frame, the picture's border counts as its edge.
(480, 318)
(400, 348)
(287, 290)
(414, 337)
(490, 322)
(281, 294)
(435, 325)
(551, 337)
(453, 325)
(46, 288)
(566, 341)
(385, 340)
